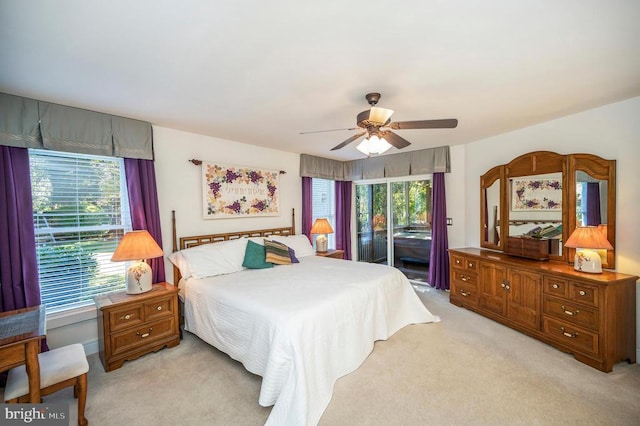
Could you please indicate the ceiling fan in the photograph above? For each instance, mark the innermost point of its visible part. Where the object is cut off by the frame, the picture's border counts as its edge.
(376, 123)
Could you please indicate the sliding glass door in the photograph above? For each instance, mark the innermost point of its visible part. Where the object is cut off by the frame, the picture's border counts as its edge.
(404, 241)
(371, 222)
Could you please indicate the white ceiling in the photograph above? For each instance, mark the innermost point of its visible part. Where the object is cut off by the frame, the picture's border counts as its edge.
(262, 71)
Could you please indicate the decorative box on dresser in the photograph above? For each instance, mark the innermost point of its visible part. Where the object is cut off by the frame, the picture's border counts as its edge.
(130, 326)
(592, 316)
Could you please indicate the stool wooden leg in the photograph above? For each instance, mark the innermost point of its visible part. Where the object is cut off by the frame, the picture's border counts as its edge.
(82, 398)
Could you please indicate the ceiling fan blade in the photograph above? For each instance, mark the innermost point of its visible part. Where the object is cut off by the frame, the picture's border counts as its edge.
(330, 130)
(448, 123)
(348, 141)
(395, 140)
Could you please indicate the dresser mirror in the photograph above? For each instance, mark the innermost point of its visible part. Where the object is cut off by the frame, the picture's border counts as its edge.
(544, 196)
(592, 199)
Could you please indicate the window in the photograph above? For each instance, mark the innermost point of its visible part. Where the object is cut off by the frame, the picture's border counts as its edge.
(324, 205)
(80, 213)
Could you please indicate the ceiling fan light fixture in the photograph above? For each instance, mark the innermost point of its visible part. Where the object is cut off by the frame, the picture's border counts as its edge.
(373, 145)
(380, 115)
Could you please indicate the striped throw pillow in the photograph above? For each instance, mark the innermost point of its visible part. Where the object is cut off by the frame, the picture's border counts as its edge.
(277, 253)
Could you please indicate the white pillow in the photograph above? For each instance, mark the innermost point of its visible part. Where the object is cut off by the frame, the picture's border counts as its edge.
(209, 260)
(178, 259)
(299, 243)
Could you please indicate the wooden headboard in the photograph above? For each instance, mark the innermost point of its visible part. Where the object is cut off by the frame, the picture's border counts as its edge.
(197, 240)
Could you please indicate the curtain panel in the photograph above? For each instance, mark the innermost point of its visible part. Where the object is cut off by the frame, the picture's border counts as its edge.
(143, 202)
(29, 123)
(439, 260)
(343, 217)
(19, 286)
(421, 162)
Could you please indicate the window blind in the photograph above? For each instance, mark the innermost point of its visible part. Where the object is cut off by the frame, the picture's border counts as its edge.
(80, 214)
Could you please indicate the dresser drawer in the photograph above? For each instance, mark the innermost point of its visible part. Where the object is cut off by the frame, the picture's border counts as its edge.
(126, 317)
(159, 308)
(142, 335)
(463, 277)
(570, 336)
(465, 293)
(583, 293)
(571, 312)
(555, 286)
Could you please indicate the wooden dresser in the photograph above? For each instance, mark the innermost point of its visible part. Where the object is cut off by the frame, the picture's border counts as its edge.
(592, 316)
(130, 326)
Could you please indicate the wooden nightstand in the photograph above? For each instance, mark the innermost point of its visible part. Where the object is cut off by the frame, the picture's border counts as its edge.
(132, 325)
(336, 254)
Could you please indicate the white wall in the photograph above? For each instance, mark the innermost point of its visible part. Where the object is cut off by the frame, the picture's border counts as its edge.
(612, 132)
(180, 184)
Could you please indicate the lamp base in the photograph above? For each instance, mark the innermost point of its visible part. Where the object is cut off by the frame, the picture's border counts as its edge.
(139, 278)
(587, 261)
(321, 243)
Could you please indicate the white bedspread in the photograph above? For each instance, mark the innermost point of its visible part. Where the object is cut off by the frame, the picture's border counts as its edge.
(301, 326)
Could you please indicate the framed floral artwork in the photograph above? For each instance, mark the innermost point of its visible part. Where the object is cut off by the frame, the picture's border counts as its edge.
(235, 191)
(536, 195)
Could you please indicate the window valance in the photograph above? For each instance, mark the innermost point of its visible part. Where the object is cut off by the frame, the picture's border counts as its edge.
(29, 123)
(421, 162)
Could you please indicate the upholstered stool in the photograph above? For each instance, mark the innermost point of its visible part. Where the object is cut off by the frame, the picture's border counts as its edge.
(59, 368)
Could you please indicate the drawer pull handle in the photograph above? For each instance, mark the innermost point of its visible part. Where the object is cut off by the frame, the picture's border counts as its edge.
(159, 308)
(463, 278)
(457, 261)
(556, 286)
(143, 335)
(507, 287)
(470, 265)
(465, 294)
(126, 317)
(570, 312)
(571, 335)
(582, 293)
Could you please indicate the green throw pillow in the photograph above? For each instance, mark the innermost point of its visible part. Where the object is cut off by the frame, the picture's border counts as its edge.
(254, 257)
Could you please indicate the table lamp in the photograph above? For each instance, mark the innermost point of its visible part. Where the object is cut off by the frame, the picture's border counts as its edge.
(322, 228)
(586, 240)
(137, 245)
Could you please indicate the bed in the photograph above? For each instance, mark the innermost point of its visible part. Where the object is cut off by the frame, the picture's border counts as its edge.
(300, 326)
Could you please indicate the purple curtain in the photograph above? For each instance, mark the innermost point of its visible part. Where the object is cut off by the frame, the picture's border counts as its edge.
(343, 217)
(18, 263)
(307, 207)
(143, 202)
(439, 260)
(593, 204)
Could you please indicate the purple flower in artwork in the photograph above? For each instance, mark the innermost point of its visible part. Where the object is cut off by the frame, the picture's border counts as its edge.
(535, 184)
(260, 205)
(531, 203)
(235, 206)
(520, 193)
(215, 188)
(254, 176)
(551, 204)
(231, 176)
(555, 184)
(271, 188)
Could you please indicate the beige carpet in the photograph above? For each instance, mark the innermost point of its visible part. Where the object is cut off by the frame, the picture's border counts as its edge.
(465, 370)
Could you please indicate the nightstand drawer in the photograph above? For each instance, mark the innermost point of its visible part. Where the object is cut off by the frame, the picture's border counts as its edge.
(584, 294)
(470, 279)
(555, 286)
(158, 309)
(129, 316)
(138, 337)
